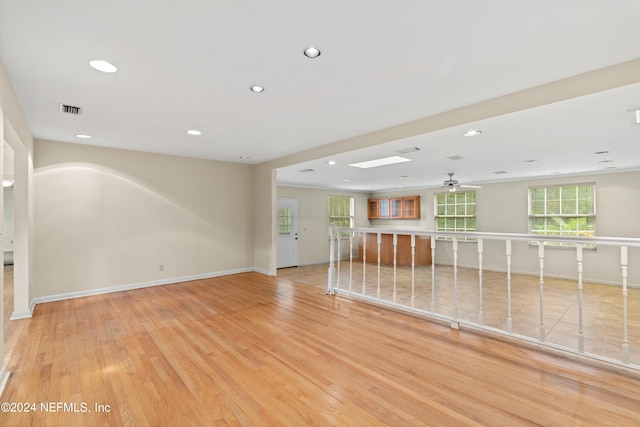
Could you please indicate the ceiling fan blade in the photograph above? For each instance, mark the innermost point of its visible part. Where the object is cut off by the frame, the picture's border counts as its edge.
(470, 186)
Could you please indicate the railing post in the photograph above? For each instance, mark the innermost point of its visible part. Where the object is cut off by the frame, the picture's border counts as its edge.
(332, 256)
(433, 273)
(339, 256)
(454, 323)
(580, 300)
(364, 262)
(351, 235)
(395, 253)
(480, 279)
(541, 262)
(625, 342)
(378, 293)
(509, 319)
(413, 266)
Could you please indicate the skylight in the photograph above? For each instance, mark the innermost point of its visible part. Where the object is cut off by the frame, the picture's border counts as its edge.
(380, 162)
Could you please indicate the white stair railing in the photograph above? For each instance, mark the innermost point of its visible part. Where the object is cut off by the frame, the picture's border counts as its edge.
(409, 297)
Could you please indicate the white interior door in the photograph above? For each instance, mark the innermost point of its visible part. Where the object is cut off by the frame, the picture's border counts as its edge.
(287, 232)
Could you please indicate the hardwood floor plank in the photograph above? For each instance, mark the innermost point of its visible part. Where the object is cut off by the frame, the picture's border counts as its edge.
(249, 349)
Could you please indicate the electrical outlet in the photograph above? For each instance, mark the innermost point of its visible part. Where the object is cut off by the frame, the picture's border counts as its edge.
(161, 267)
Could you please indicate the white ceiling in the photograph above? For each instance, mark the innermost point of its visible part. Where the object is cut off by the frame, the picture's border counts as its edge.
(189, 64)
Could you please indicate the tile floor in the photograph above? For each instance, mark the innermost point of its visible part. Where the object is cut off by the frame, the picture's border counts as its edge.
(603, 304)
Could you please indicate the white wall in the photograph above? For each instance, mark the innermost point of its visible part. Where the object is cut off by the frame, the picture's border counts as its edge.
(7, 238)
(106, 217)
(313, 225)
(503, 208)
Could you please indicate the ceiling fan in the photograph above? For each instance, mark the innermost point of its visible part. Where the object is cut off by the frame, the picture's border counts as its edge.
(453, 184)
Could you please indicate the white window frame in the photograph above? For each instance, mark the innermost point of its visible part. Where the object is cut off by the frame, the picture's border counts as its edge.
(455, 216)
(340, 216)
(562, 215)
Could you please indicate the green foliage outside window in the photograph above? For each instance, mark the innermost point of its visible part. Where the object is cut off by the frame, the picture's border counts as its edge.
(341, 213)
(567, 210)
(456, 212)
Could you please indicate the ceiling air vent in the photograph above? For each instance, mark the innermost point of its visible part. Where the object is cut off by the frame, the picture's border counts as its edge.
(70, 109)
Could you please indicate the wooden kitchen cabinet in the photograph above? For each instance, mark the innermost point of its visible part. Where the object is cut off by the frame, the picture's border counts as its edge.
(403, 253)
(395, 208)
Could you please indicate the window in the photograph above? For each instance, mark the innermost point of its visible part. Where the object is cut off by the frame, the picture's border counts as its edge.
(566, 210)
(456, 212)
(341, 212)
(285, 221)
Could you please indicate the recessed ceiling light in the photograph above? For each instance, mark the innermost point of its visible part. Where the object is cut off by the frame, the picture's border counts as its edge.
(332, 162)
(456, 157)
(501, 172)
(104, 66)
(346, 180)
(257, 89)
(83, 136)
(530, 161)
(610, 167)
(605, 161)
(472, 132)
(244, 157)
(311, 52)
(601, 152)
(380, 162)
(307, 170)
(194, 132)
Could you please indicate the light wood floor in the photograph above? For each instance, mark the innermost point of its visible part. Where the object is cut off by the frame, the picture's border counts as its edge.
(248, 350)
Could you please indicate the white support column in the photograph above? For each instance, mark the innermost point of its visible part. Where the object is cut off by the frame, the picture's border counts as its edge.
(580, 300)
(480, 314)
(625, 342)
(509, 320)
(379, 250)
(364, 263)
(395, 253)
(541, 262)
(413, 270)
(454, 323)
(433, 273)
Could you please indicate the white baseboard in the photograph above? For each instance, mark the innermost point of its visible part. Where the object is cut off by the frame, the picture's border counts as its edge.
(131, 286)
(4, 378)
(262, 271)
(24, 314)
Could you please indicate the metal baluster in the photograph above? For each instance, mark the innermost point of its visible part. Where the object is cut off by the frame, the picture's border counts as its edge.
(413, 270)
(480, 314)
(509, 320)
(364, 262)
(433, 273)
(395, 252)
(454, 322)
(541, 261)
(625, 342)
(379, 250)
(580, 300)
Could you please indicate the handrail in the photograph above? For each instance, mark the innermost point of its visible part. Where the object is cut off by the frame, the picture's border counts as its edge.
(597, 240)
(578, 244)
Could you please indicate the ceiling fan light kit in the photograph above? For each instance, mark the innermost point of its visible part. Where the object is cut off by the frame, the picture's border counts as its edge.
(454, 184)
